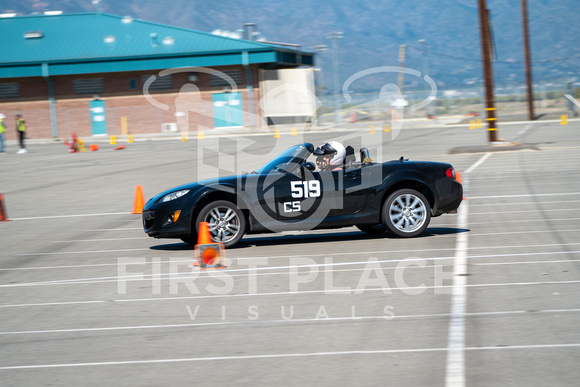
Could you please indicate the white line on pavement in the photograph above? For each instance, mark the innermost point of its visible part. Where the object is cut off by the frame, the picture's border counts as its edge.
(525, 195)
(227, 272)
(350, 318)
(455, 365)
(282, 356)
(73, 216)
(170, 261)
(288, 293)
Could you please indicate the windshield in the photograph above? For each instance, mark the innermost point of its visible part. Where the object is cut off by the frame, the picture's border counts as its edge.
(288, 161)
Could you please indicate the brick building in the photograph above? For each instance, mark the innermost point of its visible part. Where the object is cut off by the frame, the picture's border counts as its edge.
(93, 73)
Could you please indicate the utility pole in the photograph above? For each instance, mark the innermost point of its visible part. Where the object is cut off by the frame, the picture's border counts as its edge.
(528, 61)
(401, 66)
(334, 36)
(487, 70)
(423, 42)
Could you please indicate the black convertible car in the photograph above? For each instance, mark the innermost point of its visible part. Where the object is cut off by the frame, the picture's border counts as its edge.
(288, 193)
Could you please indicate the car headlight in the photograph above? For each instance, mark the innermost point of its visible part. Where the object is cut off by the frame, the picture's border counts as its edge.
(174, 195)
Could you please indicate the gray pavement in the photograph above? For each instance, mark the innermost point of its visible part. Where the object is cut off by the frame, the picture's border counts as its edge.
(88, 299)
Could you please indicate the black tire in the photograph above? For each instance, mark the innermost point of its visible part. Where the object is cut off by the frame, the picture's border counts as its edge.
(406, 213)
(227, 223)
(372, 229)
(190, 239)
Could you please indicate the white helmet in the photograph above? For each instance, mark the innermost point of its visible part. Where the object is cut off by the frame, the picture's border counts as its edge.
(332, 148)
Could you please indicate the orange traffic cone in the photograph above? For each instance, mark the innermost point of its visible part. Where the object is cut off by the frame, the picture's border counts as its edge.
(208, 254)
(3, 214)
(139, 200)
(458, 178)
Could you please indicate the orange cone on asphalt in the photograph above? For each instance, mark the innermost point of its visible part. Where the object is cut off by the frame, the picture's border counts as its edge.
(458, 178)
(139, 200)
(208, 254)
(3, 214)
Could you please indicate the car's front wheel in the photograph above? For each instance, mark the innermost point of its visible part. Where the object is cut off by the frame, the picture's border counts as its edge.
(406, 213)
(227, 223)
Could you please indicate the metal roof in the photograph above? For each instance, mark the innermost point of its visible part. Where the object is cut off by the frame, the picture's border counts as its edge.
(95, 42)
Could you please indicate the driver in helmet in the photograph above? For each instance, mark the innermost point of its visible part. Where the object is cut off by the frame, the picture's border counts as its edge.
(330, 156)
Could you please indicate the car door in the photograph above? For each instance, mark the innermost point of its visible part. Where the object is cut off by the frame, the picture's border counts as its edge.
(304, 197)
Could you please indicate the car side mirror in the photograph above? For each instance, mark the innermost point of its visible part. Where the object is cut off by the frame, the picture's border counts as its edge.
(309, 166)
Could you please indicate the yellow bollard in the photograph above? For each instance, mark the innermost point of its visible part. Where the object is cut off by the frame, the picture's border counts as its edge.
(130, 138)
(113, 140)
(294, 132)
(81, 145)
(387, 128)
(276, 133)
(372, 129)
(472, 124)
(124, 126)
(184, 137)
(478, 123)
(564, 119)
(200, 135)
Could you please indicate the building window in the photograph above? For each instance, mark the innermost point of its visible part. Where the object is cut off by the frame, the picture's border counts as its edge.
(160, 83)
(88, 86)
(236, 76)
(132, 84)
(9, 90)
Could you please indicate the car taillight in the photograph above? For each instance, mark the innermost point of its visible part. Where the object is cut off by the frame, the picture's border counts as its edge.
(450, 173)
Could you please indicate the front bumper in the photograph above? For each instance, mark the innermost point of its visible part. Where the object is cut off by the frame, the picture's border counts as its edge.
(155, 217)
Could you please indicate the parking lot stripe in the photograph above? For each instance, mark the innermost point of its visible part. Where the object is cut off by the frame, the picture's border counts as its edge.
(101, 240)
(289, 320)
(297, 293)
(116, 229)
(284, 355)
(524, 211)
(525, 195)
(73, 216)
(455, 365)
(227, 272)
(520, 203)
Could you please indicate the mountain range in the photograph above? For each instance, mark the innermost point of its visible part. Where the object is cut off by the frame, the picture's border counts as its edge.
(441, 36)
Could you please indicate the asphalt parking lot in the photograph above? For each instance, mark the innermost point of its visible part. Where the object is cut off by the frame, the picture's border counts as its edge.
(486, 297)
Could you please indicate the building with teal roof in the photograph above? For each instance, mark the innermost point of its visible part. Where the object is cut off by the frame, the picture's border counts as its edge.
(54, 67)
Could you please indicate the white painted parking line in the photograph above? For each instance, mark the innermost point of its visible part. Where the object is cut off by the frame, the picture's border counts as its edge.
(81, 252)
(530, 220)
(524, 211)
(288, 293)
(170, 261)
(101, 240)
(288, 256)
(455, 365)
(521, 132)
(284, 356)
(518, 232)
(227, 272)
(525, 195)
(73, 216)
(116, 229)
(521, 203)
(321, 320)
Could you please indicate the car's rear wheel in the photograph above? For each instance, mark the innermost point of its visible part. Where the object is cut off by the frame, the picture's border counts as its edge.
(373, 229)
(227, 223)
(406, 213)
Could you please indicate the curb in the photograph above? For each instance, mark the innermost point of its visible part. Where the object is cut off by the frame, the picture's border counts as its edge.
(512, 146)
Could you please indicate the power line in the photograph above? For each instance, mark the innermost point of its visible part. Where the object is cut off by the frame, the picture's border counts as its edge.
(496, 61)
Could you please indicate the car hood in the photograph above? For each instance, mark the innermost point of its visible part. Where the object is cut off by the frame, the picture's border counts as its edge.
(194, 187)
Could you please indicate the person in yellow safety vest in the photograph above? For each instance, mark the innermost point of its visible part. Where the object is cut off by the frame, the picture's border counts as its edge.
(21, 129)
(2, 129)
